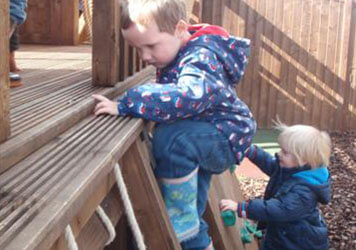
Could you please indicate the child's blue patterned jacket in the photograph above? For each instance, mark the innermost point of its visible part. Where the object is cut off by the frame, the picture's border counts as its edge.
(199, 84)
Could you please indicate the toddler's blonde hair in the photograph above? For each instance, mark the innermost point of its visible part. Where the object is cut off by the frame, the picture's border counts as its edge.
(308, 144)
(166, 13)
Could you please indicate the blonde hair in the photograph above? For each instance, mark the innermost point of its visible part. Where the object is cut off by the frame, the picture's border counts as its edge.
(166, 13)
(308, 144)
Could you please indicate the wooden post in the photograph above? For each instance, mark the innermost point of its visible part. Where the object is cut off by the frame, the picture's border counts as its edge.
(225, 186)
(4, 71)
(106, 28)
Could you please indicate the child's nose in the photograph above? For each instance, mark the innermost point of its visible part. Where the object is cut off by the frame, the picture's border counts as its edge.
(146, 56)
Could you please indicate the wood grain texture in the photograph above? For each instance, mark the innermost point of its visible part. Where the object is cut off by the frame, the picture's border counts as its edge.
(4, 72)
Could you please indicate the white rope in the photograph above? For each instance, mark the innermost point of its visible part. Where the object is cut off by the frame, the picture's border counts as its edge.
(107, 222)
(72, 244)
(88, 13)
(128, 208)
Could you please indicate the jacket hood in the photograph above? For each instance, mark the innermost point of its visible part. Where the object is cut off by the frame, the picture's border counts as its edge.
(231, 51)
(318, 180)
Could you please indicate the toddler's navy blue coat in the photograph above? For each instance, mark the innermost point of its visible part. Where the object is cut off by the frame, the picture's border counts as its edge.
(289, 211)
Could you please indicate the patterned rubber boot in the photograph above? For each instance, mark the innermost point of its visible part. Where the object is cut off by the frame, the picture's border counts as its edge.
(180, 197)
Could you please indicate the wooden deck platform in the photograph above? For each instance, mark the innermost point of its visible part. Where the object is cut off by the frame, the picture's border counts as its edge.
(52, 75)
(56, 94)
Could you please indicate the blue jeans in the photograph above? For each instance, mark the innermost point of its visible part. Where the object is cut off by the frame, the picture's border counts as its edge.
(181, 147)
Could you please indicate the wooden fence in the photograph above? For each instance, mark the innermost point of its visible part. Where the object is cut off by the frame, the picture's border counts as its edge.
(303, 62)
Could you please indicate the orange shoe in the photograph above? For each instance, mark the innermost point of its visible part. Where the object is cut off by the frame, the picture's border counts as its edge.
(15, 80)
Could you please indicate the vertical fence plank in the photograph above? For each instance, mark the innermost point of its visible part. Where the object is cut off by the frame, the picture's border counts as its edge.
(105, 62)
(256, 77)
(351, 107)
(240, 11)
(207, 9)
(272, 67)
(318, 106)
(275, 66)
(345, 62)
(4, 71)
(310, 62)
(285, 33)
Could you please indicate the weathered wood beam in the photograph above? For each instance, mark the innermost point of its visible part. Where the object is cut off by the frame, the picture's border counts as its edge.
(15, 149)
(146, 199)
(225, 186)
(106, 28)
(4, 71)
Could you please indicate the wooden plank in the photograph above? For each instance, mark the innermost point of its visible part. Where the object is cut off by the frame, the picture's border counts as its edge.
(274, 97)
(264, 60)
(225, 186)
(146, 199)
(269, 65)
(302, 42)
(345, 63)
(112, 205)
(329, 103)
(91, 165)
(350, 98)
(283, 98)
(207, 9)
(312, 94)
(87, 228)
(194, 11)
(19, 147)
(340, 61)
(126, 56)
(294, 52)
(218, 12)
(256, 76)
(105, 42)
(227, 17)
(246, 87)
(70, 22)
(4, 71)
(318, 105)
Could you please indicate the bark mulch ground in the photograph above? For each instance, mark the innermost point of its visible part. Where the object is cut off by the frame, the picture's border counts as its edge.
(340, 213)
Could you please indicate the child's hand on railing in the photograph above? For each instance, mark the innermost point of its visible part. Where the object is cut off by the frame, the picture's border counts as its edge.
(105, 106)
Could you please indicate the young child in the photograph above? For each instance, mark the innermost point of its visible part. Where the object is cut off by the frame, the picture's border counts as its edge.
(299, 180)
(202, 126)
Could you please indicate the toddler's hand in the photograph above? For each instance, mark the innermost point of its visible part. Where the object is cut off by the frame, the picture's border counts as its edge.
(228, 205)
(105, 106)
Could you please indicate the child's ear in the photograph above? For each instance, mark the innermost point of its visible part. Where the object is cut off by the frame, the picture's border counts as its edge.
(181, 29)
